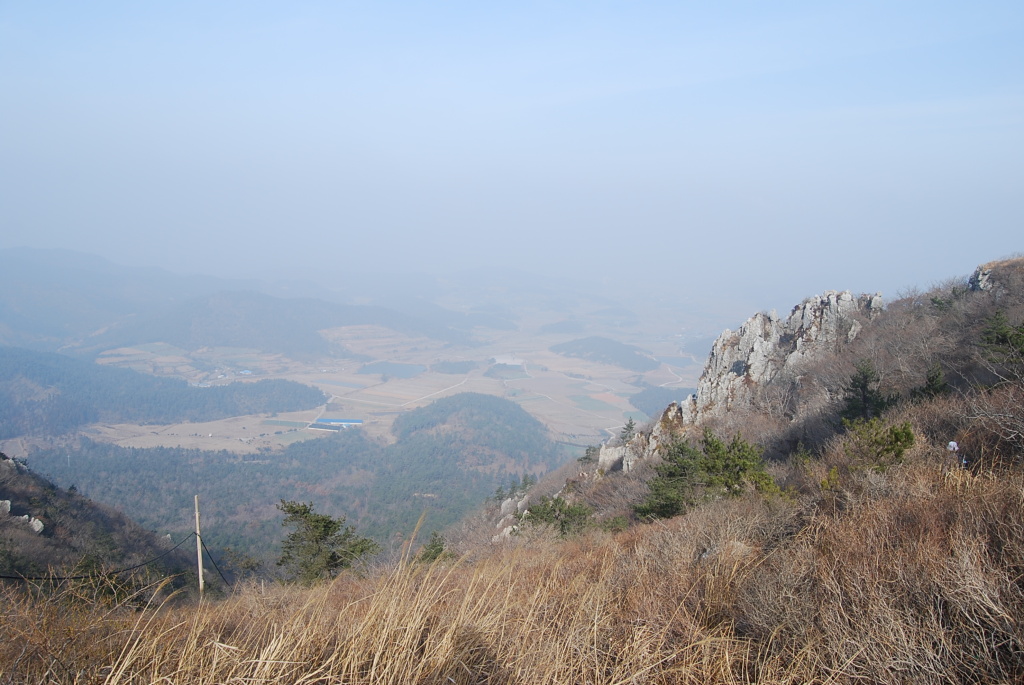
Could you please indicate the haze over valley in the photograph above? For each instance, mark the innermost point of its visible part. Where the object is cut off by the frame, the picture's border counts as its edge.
(126, 382)
(383, 363)
(512, 343)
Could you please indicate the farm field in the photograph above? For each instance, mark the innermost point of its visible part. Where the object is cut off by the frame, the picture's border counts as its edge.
(580, 401)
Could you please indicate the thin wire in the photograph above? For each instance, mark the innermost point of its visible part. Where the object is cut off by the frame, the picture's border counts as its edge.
(106, 573)
(209, 554)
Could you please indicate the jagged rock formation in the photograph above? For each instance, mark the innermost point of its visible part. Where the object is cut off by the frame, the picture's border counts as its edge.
(612, 457)
(640, 446)
(512, 510)
(981, 278)
(744, 361)
(34, 524)
(766, 345)
(781, 377)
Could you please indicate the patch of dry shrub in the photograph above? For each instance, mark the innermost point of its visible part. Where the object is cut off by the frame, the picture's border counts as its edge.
(919, 585)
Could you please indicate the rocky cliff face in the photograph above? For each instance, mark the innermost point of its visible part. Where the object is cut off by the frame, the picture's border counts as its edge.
(776, 366)
(767, 345)
(746, 360)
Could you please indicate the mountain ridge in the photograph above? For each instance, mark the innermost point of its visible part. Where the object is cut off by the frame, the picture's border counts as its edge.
(83, 304)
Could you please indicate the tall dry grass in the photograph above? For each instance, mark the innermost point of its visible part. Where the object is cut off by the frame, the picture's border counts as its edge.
(519, 616)
(909, 576)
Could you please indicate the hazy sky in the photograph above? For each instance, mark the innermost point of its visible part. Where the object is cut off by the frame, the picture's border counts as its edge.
(771, 148)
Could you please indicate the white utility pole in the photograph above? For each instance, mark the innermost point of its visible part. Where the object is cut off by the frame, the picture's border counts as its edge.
(199, 549)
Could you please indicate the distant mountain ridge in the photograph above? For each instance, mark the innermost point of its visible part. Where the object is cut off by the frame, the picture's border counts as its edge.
(82, 304)
(607, 351)
(254, 320)
(55, 298)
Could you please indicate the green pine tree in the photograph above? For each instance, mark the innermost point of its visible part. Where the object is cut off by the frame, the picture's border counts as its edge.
(934, 384)
(434, 549)
(862, 398)
(628, 431)
(567, 518)
(714, 467)
(1003, 344)
(320, 546)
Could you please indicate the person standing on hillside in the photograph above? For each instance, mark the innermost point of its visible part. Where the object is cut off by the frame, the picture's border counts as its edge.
(954, 448)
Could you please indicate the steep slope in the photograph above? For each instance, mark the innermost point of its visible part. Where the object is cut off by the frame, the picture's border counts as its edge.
(44, 528)
(779, 381)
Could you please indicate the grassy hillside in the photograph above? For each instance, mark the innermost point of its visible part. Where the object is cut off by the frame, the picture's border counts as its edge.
(919, 585)
(879, 556)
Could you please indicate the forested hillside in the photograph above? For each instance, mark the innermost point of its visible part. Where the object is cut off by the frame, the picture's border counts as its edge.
(43, 393)
(448, 458)
(485, 421)
(72, 533)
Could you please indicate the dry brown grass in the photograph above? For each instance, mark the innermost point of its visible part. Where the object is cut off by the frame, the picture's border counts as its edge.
(535, 616)
(911, 576)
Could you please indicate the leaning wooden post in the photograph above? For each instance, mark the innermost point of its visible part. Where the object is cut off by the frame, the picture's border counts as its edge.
(199, 549)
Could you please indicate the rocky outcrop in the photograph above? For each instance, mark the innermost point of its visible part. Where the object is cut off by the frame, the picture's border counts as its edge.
(511, 511)
(640, 446)
(742, 361)
(611, 457)
(763, 365)
(999, 276)
(981, 279)
(34, 524)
